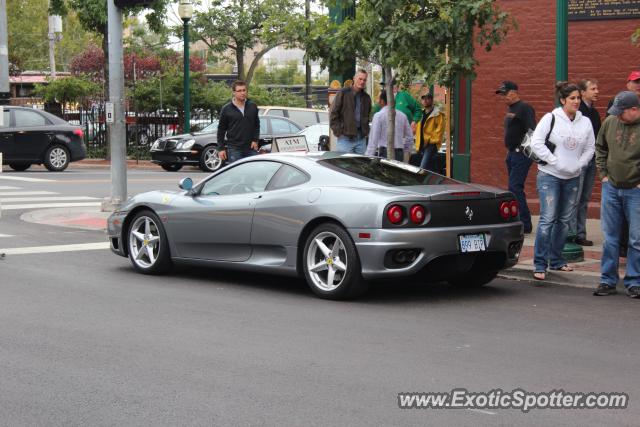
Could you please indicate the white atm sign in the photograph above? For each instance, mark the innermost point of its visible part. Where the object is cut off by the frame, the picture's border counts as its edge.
(290, 143)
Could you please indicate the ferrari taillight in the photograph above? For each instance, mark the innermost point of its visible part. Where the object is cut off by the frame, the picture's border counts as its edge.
(416, 213)
(505, 210)
(395, 214)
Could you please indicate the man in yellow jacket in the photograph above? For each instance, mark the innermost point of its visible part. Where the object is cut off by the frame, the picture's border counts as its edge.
(429, 133)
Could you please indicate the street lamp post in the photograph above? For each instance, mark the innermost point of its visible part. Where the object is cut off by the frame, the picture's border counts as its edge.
(185, 10)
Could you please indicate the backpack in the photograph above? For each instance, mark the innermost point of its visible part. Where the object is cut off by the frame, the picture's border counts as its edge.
(525, 145)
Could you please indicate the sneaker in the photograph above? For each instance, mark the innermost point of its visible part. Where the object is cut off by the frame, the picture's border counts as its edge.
(603, 289)
(583, 242)
(633, 292)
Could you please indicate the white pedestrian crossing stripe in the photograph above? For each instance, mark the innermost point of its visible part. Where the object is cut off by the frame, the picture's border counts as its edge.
(7, 187)
(6, 235)
(49, 205)
(8, 200)
(26, 193)
(24, 178)
(56, 248)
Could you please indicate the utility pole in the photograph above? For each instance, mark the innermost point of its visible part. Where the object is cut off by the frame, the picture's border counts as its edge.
(307, 65)
(55, 28)
(115, 123)
(5, 93)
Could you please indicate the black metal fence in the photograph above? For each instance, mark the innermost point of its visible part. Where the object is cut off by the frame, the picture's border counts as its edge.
(142, 128)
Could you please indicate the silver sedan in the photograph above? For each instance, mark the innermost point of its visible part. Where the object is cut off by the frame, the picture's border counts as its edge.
(338, 220)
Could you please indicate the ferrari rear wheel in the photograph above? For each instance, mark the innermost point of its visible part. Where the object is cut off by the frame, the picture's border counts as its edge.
(331, 264)
(474, 280)
(148, 244)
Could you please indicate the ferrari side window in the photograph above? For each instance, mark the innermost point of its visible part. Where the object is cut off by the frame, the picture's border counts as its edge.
(287, 176)
(248, 177)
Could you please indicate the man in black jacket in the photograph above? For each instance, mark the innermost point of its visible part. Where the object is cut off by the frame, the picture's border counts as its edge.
(239, 126)
(589, 93)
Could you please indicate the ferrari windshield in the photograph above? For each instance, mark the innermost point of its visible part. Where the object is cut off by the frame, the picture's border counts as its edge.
(385, 172)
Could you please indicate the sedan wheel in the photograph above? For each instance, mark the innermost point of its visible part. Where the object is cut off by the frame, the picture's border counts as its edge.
(56, 159)
(331, 264)
(210, 160)
(148, 245)
(171, 167)
(19, 166)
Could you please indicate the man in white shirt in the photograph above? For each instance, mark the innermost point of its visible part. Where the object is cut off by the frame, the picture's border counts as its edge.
(403, 137)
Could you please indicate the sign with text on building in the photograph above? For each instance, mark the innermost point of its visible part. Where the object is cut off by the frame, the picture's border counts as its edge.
(289, 143)
(580, 10)
(108, 109)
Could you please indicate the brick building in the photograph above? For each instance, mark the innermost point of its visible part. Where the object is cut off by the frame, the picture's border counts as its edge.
(599, 49)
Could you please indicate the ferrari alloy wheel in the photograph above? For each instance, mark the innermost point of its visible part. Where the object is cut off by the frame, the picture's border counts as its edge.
(210, 160)
(56, 159)
(331, 264)
(148, 246)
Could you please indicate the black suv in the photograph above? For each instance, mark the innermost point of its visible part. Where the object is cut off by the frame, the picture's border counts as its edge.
(201, 148)
(29, 136)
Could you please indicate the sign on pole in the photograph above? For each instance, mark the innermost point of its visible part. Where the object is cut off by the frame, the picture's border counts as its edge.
(109, 112)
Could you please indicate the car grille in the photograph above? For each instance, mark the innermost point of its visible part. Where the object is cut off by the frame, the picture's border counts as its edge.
(167, 144)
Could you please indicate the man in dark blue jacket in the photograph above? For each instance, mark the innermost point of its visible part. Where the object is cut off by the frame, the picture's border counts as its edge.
(239, 126)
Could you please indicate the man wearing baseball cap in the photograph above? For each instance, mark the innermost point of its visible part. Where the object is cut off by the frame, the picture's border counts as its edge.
(618, 160)
(519, 119)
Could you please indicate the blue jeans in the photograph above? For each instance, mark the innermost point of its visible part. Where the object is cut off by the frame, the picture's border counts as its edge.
(579, 220)
(619, 204)
(234, 153)
(357, 144)
(429, 157)
(557, 200)
(398, 152)
(518, 167)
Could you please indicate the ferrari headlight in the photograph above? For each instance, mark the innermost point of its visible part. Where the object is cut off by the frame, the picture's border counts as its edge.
(185, 145)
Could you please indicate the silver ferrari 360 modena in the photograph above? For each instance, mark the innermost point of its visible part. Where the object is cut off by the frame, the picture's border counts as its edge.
(338, 220)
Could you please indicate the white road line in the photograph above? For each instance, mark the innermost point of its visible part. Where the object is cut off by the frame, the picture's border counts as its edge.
(5, 200)
(8, 187)
(21, 178)
(55, 248)
(481, 411)
(26, 193)
(49, 205)
(6, 235)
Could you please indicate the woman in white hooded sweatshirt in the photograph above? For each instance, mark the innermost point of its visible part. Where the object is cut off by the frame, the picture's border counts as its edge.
(558, 180)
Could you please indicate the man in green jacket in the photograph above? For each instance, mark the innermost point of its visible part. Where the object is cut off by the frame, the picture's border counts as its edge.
(408, 105)
(618, 162)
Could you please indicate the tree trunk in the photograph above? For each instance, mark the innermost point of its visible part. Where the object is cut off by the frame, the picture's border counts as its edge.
(391, 117)
(240, 61)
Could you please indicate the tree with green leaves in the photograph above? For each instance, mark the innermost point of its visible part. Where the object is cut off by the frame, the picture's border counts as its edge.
(409, 37)
(68, 90)
(239, 26)
(28, 28)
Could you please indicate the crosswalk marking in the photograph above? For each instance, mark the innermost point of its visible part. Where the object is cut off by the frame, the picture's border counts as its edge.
(55, 248)
(6, 235)
(24, 178)
(26, 193)
(6, 200)
(7, 187)
(49, 205)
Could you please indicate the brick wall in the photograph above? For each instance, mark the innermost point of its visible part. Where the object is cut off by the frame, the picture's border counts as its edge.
(597, 49)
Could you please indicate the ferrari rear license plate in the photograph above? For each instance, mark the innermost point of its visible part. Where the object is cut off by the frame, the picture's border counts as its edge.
(472, 243)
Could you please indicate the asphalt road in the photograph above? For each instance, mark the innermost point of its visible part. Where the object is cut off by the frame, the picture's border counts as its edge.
(87, 341)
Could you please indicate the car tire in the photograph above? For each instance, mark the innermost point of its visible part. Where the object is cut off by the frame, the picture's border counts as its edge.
(56, 158)
(331, 265)
(148, 245)
(474, 280)
(171, 167)
(19, 167)
(210, 160)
